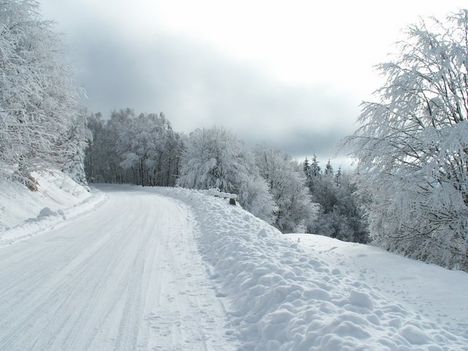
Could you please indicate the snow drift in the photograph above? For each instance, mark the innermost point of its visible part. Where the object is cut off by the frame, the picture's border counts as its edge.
(281, 298)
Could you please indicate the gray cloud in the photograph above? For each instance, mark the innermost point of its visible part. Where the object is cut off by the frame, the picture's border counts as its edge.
(197, 87)
(324, 144)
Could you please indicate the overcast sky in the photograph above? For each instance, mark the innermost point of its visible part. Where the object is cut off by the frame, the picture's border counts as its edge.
(287, 73)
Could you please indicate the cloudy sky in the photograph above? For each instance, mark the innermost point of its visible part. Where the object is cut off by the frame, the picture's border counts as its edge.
(286, 73)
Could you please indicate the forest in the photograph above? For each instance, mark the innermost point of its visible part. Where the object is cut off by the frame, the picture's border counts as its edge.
(408, 191)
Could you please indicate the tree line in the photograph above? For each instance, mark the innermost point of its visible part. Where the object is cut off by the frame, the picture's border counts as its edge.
(143, 149)
(128, 148)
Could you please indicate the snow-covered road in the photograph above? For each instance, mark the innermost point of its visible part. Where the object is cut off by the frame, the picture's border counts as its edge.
(126, 276)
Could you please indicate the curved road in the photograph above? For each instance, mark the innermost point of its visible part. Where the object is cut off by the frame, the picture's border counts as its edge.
(127, 276)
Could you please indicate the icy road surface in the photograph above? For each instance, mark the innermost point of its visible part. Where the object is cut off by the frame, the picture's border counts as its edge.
(126, 276)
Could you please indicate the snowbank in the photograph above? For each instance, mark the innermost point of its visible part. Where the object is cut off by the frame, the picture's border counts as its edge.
(281, 297)
(24, 213)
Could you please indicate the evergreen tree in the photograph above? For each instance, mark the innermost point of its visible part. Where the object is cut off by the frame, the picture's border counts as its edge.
(306, 168)
(329, 169)
(341, 214)
(338, 177)
(315, 170)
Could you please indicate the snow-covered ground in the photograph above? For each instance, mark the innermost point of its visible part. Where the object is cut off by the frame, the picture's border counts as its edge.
(174, 269)
(24, 213)
(285, 297)
(438, 294)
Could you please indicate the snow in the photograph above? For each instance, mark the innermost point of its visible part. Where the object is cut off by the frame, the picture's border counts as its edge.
(437, 293)
(177, 269)
(125, 276)
(24, 213)
(286, 296)
(217, 193)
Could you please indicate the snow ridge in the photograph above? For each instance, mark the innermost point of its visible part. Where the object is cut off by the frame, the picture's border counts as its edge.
(282, 299)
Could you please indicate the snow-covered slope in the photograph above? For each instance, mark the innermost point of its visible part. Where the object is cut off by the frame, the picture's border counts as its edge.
(283, 297)
(24, 213)
(438, 294)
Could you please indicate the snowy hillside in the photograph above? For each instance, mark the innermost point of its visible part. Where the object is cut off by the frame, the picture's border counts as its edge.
(24, 212)
(286, 297)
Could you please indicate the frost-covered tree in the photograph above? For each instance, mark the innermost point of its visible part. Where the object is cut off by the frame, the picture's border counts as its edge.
(78, 137)
(104, 152)
(128, 148)
(315, 169)
(306, 167)
(38, 100)
(294, 209)
(98, 151)
(214, 158)
(412, 145)
(147, 148)
(328, 169)
(340, 213)
(339, 177)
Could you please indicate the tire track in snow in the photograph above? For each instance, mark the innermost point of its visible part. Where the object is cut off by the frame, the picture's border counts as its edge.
(118, 278)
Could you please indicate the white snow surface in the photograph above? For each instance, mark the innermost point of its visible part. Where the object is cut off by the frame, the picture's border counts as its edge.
(24, 213)
(437, 293)
(283, 297)
(125, 276)
(176, 269)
